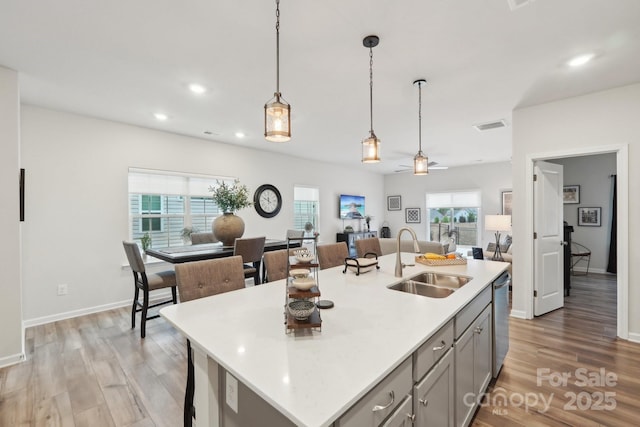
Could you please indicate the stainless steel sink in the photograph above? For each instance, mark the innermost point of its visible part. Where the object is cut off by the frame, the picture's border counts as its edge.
(442, 280)
(420, 288)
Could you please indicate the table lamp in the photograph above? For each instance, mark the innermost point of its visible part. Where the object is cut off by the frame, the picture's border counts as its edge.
(497, 223)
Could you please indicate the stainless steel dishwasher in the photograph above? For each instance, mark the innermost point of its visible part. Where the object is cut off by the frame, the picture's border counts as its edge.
(500, 321)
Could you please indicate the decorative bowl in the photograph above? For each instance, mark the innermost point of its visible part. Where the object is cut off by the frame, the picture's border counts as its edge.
(301, 309)
(304, 256)
(299, 273)
(304, 283)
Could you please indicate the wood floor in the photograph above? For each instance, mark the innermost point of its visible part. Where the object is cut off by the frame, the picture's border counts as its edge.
(95, 371)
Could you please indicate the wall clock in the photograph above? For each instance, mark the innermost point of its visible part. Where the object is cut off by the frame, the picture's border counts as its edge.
(267, 201)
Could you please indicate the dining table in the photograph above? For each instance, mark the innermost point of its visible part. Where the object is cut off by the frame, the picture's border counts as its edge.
(189, 253)
(204, 251)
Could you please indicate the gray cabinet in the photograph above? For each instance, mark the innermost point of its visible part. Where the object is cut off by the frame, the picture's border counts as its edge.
(433, 400)
(472, 366)
(403, 416)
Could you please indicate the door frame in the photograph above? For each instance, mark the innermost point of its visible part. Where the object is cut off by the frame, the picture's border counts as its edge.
(622, 279)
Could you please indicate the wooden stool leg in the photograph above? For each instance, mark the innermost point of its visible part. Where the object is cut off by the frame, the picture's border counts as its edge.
(133, 308)
(145, 307)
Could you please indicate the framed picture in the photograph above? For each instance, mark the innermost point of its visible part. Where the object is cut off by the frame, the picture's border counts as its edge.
(506, 202)
(590, 217)
(571, 194)
(412, 215)
(394, 203)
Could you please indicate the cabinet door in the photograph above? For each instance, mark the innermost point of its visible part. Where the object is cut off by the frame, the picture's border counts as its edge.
(482, 349)
(402, 417)
(464, 364)
(433, 396)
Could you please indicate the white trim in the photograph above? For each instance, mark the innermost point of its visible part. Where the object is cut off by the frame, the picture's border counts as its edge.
(634, 337)
(12, 360)
(622, 171)
(89, 310)
(518, 314)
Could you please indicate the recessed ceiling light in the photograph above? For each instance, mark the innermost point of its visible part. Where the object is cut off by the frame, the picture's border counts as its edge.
(160, 116)
(581, 60)
(196, 88)
(239, 135)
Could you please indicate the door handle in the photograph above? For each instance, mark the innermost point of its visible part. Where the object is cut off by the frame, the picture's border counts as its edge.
(440, 347)
(563, 243)
(383, 407)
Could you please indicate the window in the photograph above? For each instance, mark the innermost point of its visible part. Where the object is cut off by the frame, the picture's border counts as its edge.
(454, 215)
(305, 209)
(164, 204)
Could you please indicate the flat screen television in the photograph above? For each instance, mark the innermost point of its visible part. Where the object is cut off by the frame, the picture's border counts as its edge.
(351, 207)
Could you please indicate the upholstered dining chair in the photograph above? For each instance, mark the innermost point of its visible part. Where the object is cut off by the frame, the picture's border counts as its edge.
(275, 263)
(332, 255)
(146, 283)
(200, 238)
(251, 251)
(368, 246)
(201, 279)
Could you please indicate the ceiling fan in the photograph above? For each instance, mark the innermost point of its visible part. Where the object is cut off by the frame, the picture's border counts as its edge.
(409, 168)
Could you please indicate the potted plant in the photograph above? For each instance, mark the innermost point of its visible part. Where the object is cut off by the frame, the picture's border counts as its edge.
(145, 241)
(229, 199)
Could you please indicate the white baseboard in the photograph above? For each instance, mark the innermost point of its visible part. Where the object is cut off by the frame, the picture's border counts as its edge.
(634, 337)
(11, 360)
(519, 314)
(89, 310)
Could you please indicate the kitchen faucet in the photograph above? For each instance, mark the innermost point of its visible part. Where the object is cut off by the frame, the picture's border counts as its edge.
(399, 263)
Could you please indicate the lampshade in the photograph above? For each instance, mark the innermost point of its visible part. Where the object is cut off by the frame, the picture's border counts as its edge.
(371, 149)
(420, 164)
(277, 120)
(497, 222)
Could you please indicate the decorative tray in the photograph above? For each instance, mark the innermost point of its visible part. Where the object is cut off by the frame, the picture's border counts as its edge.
(455, 261)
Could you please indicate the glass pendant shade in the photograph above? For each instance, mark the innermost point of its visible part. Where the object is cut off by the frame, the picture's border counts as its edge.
(277, 120)
(371, 149)
(420, 164)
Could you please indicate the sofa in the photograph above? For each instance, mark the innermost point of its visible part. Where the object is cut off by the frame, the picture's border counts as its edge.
(389, 246)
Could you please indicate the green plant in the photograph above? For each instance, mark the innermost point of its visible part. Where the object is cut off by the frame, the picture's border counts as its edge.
(145, 240)
(230, 198)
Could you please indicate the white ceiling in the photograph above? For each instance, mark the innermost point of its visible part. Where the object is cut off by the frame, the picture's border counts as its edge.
(125, 60)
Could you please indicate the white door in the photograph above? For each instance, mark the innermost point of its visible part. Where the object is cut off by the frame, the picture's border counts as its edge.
(548, 244)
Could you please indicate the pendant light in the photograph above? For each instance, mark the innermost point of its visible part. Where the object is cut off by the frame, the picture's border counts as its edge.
(371, 145)
(420, 161)
(277, 112)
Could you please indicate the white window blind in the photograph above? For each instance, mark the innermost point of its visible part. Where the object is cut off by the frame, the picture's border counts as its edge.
(454, 199)
(149, 181)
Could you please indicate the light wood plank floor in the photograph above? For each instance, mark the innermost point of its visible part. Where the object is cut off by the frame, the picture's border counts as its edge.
(95, 371)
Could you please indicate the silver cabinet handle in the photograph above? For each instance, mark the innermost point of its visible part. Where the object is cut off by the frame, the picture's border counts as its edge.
(412, 417)
(424, 402)
(382, 408)
(479, 330)
(440, 347)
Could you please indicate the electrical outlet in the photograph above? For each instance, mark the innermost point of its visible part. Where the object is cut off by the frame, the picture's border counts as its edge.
(232, 392)
(63, 289)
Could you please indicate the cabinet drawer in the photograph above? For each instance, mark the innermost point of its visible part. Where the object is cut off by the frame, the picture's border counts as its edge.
(376, 405)
(403, 416)
(431, 351)
(471, 311)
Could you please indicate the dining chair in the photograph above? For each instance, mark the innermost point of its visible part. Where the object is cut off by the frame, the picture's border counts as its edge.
(200, 238)
(275, 263)
(367, 247)
(199, 279)
(146, 283)
(332, 255)
(251, 251)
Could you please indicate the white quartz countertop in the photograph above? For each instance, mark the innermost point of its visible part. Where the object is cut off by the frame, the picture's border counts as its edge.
(313, 377)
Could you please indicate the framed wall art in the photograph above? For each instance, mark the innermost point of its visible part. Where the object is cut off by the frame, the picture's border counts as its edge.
(412, 215)
(394, 203)
(590, 217)
(506, 202)
(571, 194)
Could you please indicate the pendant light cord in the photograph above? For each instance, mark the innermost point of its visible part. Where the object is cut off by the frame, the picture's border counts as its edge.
(420, 118)
(371, 88)
(278, 47)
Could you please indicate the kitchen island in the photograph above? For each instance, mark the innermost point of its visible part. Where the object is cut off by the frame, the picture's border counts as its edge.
(313, 377)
